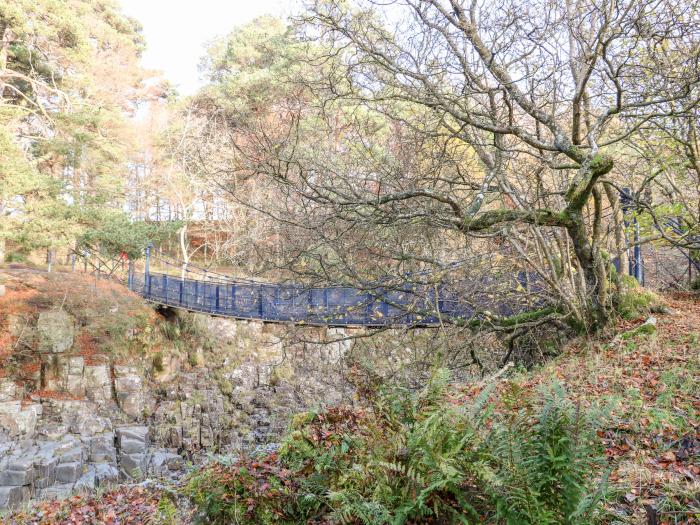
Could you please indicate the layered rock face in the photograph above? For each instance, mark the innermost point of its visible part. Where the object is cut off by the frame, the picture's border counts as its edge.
(75, 417)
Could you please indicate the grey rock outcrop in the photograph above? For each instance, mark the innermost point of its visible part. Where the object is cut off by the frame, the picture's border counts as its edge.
(74, 463)
(129, 390)
(85, 421)
(132, 443)
(19, 419)
(55, 331)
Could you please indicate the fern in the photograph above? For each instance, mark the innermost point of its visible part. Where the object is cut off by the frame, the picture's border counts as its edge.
(545, 466)
(417, 458)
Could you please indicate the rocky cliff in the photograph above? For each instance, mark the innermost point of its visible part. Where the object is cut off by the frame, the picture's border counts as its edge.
(97, 387)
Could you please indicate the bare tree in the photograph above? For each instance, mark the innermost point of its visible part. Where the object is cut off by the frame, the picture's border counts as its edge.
(445, 137)
(547, 95)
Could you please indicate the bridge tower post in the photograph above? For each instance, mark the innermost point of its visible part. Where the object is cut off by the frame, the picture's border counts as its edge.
(636, 265)
(147, 273)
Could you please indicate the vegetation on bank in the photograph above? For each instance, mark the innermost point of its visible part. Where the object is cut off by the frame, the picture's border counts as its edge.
(110, 324)
(429, 457)
(592, 436)
(620, 436)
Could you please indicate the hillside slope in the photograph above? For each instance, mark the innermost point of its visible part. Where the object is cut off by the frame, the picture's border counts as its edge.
(647, 440)
(653, 382)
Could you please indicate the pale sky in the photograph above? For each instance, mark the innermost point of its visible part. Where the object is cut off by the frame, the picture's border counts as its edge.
(177, 31)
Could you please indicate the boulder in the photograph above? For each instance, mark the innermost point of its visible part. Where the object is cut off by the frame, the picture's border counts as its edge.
(16, 478)
(128, 386)
(102, 449)
(9, 391)
(131, 446)
(52, 431)
(69, 472)
(71, 455)
(86, 482)
(19, 420)
(45, 468)
(88, 424)
(132, 443)
(106, 475)
(56, 331)
(98, 384)
(13, 497)
(58, 491)
(164, 463)
(43, 483)
(24, 461)
(137, 433)
(74, 365)
(133, 466)
(69, 446)
(74, 382)
(44, 462)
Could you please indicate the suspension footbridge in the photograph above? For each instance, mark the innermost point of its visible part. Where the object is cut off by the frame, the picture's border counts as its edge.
(372, 305)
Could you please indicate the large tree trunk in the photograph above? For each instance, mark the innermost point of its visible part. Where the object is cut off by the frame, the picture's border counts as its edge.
(595, 275)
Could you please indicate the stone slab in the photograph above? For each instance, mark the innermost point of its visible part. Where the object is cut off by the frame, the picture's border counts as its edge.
(69, 472)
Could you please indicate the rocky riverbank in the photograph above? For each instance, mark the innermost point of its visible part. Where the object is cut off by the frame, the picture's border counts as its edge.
(96, 388)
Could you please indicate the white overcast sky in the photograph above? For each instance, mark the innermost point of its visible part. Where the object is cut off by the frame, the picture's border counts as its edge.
(177, 31)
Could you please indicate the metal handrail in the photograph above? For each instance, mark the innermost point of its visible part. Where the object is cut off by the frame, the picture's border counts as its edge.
(413, 305)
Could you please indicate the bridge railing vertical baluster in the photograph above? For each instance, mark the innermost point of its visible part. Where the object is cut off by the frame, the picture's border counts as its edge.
(385, 308)
(276, 304)
(261, 308)
(165, 288)
(233, 298)
(369, 309)
(309, 304)
(147, 272)
(217, 298)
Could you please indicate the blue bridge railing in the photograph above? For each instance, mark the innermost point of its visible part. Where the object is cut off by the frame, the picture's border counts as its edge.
(410, 305)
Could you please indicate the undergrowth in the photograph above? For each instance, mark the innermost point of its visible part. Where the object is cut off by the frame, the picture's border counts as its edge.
(184, 330)
(634, 301)
(426, 457)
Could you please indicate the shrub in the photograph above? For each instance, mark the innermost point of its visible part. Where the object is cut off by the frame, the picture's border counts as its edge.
(634, 301)
(16, 257)
(158, 364)
(166, 512)
(418, 458)
(186, 327)
(248, 492)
